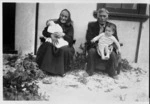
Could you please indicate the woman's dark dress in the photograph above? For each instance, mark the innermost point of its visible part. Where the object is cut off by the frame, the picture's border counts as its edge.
(53, 60)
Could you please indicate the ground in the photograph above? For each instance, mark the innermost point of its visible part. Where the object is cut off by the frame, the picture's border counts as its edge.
(76, 88)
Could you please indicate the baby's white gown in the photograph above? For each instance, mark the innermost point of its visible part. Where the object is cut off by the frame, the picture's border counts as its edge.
(56, 28)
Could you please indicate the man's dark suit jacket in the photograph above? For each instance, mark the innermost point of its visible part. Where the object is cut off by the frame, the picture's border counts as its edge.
(92, 31)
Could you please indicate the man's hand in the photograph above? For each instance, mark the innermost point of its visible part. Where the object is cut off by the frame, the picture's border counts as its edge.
(98, 50)
(118, 51)
(110, 48)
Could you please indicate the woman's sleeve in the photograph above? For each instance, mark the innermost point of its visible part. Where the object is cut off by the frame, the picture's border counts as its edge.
(45, 33)
(69, 34)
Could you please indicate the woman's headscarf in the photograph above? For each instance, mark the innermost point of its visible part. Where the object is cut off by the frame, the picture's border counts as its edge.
(69, 21)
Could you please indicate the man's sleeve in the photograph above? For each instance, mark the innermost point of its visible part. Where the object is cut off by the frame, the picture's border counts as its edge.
(89, 34)
(115, 33)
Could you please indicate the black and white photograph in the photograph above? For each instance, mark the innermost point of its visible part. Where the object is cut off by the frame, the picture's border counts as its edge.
(75, 52)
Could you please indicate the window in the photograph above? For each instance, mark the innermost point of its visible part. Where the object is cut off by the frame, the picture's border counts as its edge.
(126, 11)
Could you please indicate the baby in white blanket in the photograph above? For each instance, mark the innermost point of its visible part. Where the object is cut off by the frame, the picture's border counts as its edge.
(53, 28)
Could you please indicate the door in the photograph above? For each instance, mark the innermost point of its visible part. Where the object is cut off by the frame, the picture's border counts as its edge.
(8, 27)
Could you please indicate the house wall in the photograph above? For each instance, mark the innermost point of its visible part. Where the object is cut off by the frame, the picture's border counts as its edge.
(127, 32)
(81, 14)
(143, 56)
(25, 27)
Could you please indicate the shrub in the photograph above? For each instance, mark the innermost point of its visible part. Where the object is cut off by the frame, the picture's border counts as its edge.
(79, 58)
(125, 66)
(19, 78)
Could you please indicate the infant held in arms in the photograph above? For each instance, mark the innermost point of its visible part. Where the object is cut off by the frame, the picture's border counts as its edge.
(56, 28)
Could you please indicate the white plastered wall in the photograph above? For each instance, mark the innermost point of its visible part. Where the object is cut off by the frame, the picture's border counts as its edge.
(25, 27)
(127, 32)
(143, 56)
(81, 14)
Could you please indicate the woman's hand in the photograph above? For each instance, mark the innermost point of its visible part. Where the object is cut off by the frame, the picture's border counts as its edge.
(59, 34)
(54, 39)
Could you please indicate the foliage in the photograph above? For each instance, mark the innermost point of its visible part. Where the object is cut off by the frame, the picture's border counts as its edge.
(79, 58)
(125, 66)
(82, 80)
(19, 78)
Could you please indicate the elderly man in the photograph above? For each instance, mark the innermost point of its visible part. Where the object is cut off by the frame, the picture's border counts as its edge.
(94, 29)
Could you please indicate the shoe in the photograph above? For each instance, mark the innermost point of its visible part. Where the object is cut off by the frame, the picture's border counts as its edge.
(103, 58)
(63, 75)
(118, 68)
(106, 58)
(90, 74)
(115, 77)
(85, 74)
(47, 81)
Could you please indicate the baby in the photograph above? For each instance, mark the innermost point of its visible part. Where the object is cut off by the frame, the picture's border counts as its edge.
(104, 40)
(56, 28)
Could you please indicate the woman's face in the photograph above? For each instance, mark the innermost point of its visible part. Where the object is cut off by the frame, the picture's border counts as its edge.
(64, 16)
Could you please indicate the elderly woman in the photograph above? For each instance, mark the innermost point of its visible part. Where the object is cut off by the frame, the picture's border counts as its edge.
(57, 60)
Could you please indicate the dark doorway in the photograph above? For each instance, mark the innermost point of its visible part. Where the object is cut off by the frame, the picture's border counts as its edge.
(9, 27)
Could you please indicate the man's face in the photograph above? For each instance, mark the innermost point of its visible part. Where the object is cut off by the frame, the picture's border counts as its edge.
(102, 17)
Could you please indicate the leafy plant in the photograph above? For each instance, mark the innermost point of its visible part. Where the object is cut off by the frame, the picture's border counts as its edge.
(79, 58)
(19, 78)
(82, 80)
(125, 66)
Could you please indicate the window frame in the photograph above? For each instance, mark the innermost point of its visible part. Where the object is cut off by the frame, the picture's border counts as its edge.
(138, 14)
